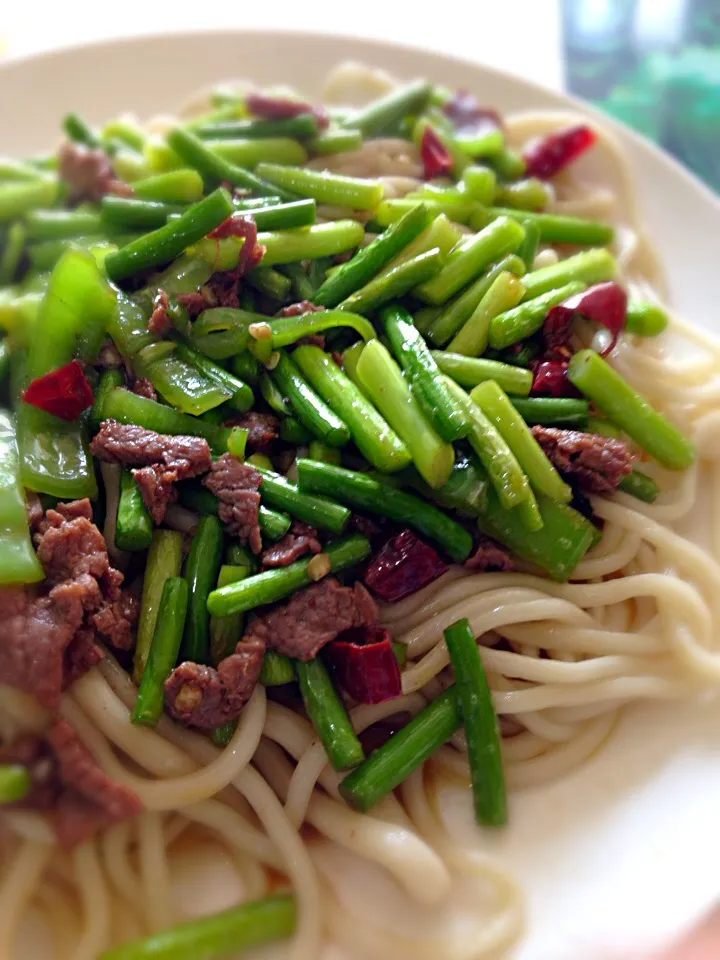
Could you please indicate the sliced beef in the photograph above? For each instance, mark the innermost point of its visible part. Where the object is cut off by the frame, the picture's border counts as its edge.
(48, 639)
(83, 652)
(193, 302)
(203, 697)
(130, 444)
(13, 600)
(250, 253)
(300, 539)
(489, 555)
(89, 799)
(115, 619)
(161, 460)
(89, 173)
(297, 309)
(69, 544)
(223, 287)
(262, 429)
(71, 510)
(34, 638)
(594, 462)
(142, 387)
(157, 487)
(313, 617)
(160, 322)
(223, 290)
(34, 508)
(67, 782)
(236, 484)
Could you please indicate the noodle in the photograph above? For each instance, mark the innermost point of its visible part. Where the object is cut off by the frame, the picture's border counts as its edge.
(95, 901)
(115, 853)
(154, 873)
(639, 620)
(61, 911)
(21, 877)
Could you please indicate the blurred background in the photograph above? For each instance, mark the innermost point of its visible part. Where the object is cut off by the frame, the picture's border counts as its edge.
(655, 64)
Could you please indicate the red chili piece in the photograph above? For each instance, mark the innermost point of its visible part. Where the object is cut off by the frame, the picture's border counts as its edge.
(550, 379)
(278, 108)
(64, 392)
(556, 330)
(468, 115)
(405, 564)
(546, 156)
(365, 664)
(603, 303)
(437, 159)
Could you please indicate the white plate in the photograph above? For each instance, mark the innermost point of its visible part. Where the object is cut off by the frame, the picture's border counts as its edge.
(625, 852)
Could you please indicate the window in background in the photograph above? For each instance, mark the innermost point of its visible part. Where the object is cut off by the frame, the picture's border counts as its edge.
(655, 64)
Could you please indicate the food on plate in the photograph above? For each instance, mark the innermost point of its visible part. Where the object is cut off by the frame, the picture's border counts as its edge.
(342, 458)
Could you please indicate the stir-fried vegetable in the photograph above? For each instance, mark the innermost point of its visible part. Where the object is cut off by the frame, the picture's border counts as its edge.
(407, 750)
(272, 585)
(313, 394)
(328, 715)
(249, 925)
(480, 722)
(164, 648)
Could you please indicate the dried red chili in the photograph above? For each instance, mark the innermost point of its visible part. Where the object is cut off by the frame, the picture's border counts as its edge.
(556, 330)
(403, 565)
(279, 108)
(550, 380)
(437, 159)
(548, 155)
(364, 663)
(603, 303)
(64, 392)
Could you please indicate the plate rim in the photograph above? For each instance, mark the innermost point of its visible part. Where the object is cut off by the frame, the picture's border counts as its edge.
(17, 61)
